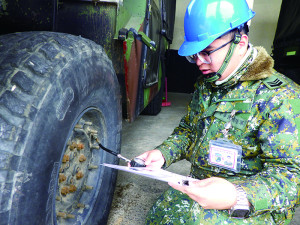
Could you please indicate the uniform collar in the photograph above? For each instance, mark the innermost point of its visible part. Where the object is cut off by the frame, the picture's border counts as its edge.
(260, 68)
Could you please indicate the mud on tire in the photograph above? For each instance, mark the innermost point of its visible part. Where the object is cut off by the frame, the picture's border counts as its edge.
(58, 93)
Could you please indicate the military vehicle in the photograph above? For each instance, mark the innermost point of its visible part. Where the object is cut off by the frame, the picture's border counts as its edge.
(70, 72)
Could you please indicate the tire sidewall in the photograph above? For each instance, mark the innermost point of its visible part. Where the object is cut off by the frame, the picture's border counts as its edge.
(92, 84)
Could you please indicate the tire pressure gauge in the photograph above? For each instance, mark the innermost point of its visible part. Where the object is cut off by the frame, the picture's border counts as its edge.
(136, 162)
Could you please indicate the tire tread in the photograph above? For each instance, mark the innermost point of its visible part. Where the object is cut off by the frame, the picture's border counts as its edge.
(29, 63)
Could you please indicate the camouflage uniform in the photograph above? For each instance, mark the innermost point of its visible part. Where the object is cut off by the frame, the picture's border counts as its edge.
(266, 125)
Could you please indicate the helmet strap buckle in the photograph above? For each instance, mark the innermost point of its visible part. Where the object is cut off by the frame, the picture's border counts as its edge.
(212, 77)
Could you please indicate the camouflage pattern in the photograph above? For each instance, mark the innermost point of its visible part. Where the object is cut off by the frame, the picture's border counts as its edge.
(176, 208)
(266, 125)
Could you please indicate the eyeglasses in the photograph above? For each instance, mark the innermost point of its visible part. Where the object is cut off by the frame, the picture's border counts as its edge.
(204, 56)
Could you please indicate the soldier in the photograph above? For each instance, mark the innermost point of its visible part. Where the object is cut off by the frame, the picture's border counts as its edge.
(241, 132)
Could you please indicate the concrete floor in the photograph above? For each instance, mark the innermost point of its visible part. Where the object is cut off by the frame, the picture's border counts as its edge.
(134, 195)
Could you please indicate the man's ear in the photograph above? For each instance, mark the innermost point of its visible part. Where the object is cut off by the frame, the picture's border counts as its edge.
(243, 44)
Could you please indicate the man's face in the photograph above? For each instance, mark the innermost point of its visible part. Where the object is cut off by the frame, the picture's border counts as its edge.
(218, 57)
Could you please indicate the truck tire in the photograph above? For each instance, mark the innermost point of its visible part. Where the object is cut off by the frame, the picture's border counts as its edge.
(58, 94)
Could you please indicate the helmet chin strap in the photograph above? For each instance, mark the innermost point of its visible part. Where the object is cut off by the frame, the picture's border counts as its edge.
(212, 77)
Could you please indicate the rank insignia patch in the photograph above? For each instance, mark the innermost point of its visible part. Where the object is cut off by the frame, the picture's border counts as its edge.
(274, 81)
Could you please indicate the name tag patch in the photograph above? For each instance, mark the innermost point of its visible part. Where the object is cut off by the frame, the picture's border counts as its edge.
(239, 121)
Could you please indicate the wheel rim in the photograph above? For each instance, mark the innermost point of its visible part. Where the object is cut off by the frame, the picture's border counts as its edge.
(79, 177)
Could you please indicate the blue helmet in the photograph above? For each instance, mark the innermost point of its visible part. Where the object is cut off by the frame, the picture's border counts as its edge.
(206, 20)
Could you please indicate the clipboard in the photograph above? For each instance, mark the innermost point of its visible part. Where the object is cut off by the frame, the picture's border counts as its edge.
(157, 174)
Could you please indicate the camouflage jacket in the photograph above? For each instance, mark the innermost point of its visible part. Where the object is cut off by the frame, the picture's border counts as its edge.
(266, 126)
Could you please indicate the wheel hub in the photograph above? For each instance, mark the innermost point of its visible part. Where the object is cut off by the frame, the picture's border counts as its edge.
(77, 184)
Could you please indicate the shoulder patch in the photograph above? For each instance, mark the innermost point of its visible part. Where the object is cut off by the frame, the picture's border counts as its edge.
(274, 81)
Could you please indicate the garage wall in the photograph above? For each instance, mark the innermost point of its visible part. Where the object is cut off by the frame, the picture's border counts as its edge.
(263, 25)
(178, 36)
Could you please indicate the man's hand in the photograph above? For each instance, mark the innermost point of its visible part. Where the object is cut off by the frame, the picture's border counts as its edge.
(153, 158)
(211, 193)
